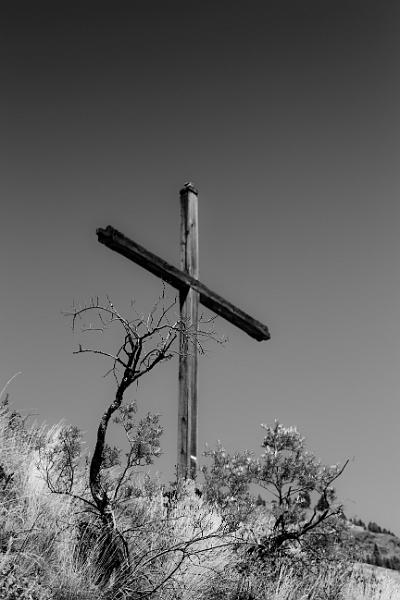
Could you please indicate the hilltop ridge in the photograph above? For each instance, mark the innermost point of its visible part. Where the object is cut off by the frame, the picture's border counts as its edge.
(378, 546)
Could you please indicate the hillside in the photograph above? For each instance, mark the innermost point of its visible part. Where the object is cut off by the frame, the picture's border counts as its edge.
(53, 546)
(379, 547)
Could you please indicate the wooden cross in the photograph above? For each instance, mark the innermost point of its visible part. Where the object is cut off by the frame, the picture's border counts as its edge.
(191, 292)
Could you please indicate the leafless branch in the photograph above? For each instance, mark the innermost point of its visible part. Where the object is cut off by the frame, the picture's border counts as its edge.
(94, 351)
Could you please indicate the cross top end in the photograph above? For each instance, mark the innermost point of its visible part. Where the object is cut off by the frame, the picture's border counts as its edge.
(189, 187)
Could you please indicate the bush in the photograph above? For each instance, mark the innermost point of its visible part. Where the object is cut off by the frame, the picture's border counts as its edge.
(182, 542)
(303, 516)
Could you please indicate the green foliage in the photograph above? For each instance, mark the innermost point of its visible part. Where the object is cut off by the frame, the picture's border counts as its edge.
(379, 557)
(358, 522)
(15, 584)
(372, 526)
(376, 556)
(303, 513)
(375, 528)
(182, 542)
(79, 526)
(227, 484)
(61, 459)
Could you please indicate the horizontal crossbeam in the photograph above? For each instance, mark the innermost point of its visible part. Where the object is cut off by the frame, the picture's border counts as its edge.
(180, 280)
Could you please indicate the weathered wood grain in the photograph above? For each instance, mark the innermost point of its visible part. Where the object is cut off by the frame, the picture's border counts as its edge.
(189, 309)
(182, 281)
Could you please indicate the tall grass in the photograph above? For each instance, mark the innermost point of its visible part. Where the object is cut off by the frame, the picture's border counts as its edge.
(373, 583)
(50, 544)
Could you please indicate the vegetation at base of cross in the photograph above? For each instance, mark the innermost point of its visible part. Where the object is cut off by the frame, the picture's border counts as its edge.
(184, 539)
(78, 525)
(303, 514)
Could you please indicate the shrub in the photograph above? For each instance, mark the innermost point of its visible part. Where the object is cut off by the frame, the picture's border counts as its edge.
(303, 516)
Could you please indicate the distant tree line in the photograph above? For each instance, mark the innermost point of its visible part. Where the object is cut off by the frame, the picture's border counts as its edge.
(388, 562)
(372, 526)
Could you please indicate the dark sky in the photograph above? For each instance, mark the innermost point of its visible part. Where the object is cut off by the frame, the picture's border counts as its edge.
(285, 116)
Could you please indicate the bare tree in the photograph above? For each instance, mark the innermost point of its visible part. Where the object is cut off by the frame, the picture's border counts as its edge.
(143, 342)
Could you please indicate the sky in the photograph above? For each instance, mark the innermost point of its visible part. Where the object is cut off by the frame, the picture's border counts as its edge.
(285, 117)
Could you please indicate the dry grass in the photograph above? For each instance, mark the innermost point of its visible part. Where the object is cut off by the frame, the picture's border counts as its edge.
(373, 583)
(177, 552)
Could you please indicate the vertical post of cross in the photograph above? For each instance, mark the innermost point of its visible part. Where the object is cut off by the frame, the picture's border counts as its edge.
(189, 302)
